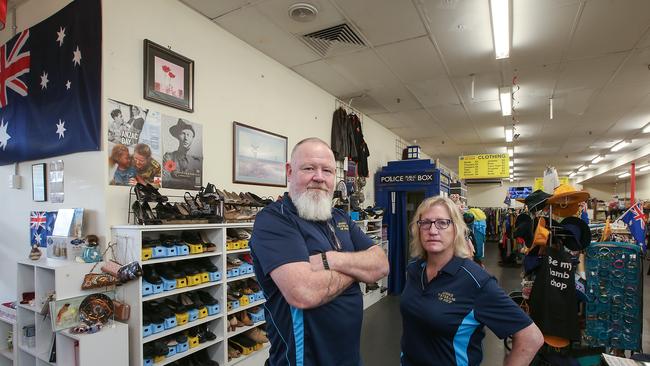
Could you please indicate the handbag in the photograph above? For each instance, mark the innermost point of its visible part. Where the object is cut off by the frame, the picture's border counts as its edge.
(122, 310)
(124, 273)
(97, 280)
(111, 267)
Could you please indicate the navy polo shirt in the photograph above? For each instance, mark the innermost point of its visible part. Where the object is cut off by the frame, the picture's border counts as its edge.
(329, 334)
(443, 320)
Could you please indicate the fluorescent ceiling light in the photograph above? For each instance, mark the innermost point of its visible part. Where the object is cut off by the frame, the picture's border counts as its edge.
(508, 134)
(646, 129)
(511, 179)
(500, 12)
(620, 145)
(645, 168)
(582, 168)
(624, 175)
(572, 174)
(597, 159)
(511, 151)
(512, 163)
(505, 97)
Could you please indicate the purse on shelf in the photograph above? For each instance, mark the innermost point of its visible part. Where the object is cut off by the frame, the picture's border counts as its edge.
(124, 273)
(98, 280)
(111, 267)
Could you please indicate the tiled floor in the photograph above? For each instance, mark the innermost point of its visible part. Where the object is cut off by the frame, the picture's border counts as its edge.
(382, 324)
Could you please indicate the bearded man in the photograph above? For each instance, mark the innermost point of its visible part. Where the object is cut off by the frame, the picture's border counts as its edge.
(309, 260)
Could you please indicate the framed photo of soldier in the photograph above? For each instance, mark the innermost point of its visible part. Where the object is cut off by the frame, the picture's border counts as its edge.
(259, 156)
(182, 160)
(168, 77)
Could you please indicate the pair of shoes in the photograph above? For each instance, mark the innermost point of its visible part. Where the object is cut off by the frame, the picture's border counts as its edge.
(232, 352)
(257, 335)
(143, 214)
(148, 192)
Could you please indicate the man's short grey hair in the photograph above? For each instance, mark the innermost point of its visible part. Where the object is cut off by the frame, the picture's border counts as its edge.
(308, 139)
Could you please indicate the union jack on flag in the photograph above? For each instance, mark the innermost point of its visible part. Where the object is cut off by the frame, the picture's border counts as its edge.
(12, 66)
(37, 220)
(635, 220)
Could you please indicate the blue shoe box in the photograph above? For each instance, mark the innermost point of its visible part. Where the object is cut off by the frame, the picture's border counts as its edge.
(158, 327)
(192, 315)
(168, 285)
(147, 288)
(147, 330)
(215, 276)
(170, 322)
(213, 309)
(182, 347)
(159, 252)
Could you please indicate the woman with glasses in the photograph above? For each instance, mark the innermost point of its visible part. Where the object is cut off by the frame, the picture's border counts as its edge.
(448, 298)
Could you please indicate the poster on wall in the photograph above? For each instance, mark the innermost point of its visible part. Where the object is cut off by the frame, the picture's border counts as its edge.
(182, 161)
(134, 152)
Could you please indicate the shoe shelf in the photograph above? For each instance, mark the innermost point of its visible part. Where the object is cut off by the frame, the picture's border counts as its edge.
(251, 305)
(129, 239)
(179, 356)
(184, 257)
(180, 291)
(256, 358)
(242, 277)
(244, 329)
(236, 251)
(373, 296)
(181, 328)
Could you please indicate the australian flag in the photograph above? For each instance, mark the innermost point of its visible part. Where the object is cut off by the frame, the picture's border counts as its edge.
(50, 86)
(635, 220)
(41, 225)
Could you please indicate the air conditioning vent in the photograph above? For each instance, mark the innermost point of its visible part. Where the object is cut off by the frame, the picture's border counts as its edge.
(326, 41)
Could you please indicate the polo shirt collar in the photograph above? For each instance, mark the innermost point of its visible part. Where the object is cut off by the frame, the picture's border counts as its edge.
(450, 268)
(288, 203)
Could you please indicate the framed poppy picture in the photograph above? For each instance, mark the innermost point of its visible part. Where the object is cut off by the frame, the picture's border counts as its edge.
(259, 156)
(168, 77)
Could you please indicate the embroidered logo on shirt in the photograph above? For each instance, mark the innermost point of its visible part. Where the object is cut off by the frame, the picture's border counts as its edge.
(446, 297)
(342, 226)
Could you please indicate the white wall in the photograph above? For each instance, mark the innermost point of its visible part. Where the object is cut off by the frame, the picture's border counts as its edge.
(492, 195)
(233, 82)
(621, 189)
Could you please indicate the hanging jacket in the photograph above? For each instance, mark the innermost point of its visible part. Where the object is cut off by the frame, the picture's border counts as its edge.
(339, 137)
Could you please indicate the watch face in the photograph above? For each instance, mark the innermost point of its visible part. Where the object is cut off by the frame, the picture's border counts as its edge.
(96, 308)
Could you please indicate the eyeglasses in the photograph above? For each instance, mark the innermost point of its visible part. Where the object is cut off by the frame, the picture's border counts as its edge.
(440, 224)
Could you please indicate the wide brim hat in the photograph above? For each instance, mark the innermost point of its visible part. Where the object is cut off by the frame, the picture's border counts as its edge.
(566, 194)
(537, 200)
(181, 125)
(580, 234)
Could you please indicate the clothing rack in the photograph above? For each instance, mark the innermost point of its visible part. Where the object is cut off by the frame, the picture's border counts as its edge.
(348, 107)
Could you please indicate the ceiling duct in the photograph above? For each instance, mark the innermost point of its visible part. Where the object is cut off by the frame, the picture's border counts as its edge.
(483, 181)
(333, 39)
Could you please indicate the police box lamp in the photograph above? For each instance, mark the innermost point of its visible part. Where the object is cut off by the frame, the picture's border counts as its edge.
(411, 152)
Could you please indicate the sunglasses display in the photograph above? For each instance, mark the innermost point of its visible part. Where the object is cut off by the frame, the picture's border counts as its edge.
(613, 314)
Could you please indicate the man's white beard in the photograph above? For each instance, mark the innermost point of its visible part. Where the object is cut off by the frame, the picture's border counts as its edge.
(313, 204)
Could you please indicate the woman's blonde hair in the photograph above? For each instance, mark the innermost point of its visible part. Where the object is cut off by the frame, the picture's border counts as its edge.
(460, 243)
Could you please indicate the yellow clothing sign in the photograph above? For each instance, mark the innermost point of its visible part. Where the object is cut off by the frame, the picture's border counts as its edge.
(484, 166)
(539, 183)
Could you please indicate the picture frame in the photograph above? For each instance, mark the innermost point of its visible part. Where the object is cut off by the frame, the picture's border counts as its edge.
(39, 186)
(259, 156)
(168, 77)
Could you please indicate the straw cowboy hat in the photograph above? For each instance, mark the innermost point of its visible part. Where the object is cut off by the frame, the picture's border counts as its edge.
(566, 199)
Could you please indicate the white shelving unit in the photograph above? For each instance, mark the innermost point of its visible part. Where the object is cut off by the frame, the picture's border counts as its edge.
(7, 324)
(129, 240)
(374, 227)
(64, 278)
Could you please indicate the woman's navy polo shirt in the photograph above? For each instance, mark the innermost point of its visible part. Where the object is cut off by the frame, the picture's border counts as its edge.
(443, 320)
(329, 334)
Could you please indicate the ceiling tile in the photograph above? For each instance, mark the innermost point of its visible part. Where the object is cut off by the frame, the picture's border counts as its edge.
(636, 69)
(434, 92)
(486, 87)
(389, 119)
(372, 18)
(257, 30)
(278, 12)
(609, 26)
(540, 30)
(213, 9)
(464, 35)
(323, 75)
(413, 59)
(364, 103)
(365, 69)
(395, 99)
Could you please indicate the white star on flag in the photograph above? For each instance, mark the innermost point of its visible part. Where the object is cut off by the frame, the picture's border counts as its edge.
(76, 60)
(37, 238)
(4, 136)
(44, 80)
(67, 85)
(60, 129)
(60, 35)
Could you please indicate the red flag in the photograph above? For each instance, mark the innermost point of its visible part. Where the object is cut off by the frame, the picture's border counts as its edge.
(3, 14)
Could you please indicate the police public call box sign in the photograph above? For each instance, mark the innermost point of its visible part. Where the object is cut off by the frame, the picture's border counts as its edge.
(422, 178)
(484, 166)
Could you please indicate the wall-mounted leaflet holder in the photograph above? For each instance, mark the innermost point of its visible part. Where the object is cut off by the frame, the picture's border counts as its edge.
(39, 190)
(56, 181)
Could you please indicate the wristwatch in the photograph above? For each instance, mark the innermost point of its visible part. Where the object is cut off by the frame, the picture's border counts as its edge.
(326, 265)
